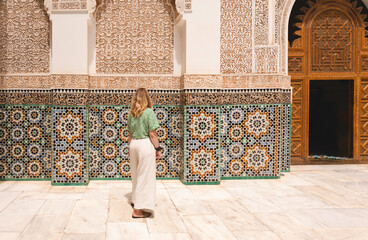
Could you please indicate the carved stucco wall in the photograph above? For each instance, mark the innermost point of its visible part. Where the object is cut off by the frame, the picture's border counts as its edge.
(24, 37)
(135, 37)
(245, 40)
(246, 43)
(236, 36)
(281, 26)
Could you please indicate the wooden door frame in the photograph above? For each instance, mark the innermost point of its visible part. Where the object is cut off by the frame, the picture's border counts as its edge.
(306, 112)
(304, 75)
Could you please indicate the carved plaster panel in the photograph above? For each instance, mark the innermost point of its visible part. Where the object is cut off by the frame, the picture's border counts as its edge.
(135, 37)
(45, 82)
(25, 82)
(134, 82)
(236, 36)
(261, 22)
(69, 5)
(266, 59)
(195, 81)
(69, 81)
(256, 81)
(279, 8)
(284, 23)
(24, 37)
(202, 81)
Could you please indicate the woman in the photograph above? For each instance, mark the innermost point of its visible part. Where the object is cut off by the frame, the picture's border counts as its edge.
(143, 150)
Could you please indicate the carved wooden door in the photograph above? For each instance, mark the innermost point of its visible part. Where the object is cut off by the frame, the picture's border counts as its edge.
(331, 46)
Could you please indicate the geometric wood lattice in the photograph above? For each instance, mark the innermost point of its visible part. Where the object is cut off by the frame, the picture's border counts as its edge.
(364, 89)
(364, 112)
(295, 147)
(331, 42)
(364, 118)
(295, 64)
(296, 118)
(364, 147)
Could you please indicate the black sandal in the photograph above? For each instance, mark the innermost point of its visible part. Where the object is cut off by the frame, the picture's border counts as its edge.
(132, 204)
(144, 215)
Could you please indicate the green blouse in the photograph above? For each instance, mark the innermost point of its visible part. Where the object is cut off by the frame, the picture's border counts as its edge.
(141, 126)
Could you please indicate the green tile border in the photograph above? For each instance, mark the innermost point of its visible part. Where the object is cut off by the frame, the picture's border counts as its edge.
(168, 178)
(24, 179)
(249, 178)
(129, 179)
(111, 179)
(201, 183)
(69, 184)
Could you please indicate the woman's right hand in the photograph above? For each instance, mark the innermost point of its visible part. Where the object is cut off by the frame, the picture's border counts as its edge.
(158, 154)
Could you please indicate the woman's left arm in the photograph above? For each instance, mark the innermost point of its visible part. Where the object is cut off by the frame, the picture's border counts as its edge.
(154, 139)
(129, 138)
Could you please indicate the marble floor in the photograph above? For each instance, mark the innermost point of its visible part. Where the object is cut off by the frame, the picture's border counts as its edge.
(311, 202)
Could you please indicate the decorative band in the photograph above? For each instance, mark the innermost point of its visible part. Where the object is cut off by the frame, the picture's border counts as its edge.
(75, 97)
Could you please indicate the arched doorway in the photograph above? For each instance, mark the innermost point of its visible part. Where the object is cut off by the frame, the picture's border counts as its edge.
(328, 65)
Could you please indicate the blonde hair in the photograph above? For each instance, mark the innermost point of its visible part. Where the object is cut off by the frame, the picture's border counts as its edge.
(140, 101)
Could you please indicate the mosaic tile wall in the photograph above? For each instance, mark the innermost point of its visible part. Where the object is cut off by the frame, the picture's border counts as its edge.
(207, 135)
(108, 147)
(25, 142)
(250, 141)
(69, 145)
(201, 144)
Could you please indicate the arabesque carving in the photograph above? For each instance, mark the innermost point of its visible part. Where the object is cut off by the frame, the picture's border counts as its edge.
(266, 59)
(135, 37)
(236, 36)
(261, 22)
(24, 37)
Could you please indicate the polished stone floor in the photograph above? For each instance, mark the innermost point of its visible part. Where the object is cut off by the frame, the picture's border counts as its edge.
(310, 202)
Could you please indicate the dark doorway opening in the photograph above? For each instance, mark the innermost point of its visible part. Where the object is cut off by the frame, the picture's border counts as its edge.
(331, 105)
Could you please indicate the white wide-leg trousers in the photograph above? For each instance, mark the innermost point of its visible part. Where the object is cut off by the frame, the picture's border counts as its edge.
(143, 168)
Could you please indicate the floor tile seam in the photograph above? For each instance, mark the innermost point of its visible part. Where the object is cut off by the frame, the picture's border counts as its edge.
(223, 224)
(50, 215)
(195, 198)
(11, 202)
(70, 214)
(334, 189)
(245, 207)
(179, 213)
(349, 213)
(343, 197)
(327, 202)
(29, 223)
(176, 208)
(108, 210)
(286, 197)
(255, 216)
(12, 183)
(275, 231)
(315, 219)
(321, 173)
(301, 178)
